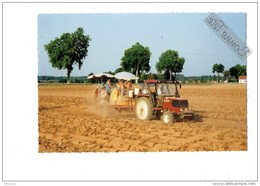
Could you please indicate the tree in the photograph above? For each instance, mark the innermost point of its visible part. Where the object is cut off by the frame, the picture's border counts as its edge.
(170, 62)
(167, 75)
(237, 71)
(242, 70)
(120, 69)
(226, 74)
(150, 76)
(136, 59)
(234, 72)
(68, 50)
(110, 72)
(219, 68)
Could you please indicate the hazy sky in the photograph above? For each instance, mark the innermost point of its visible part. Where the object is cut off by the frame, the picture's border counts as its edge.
(112, 34)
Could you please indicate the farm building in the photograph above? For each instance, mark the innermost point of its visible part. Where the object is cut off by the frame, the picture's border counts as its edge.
(242, 79)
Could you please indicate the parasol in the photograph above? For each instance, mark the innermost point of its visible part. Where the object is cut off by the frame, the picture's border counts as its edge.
(100, 75)
(125, 76)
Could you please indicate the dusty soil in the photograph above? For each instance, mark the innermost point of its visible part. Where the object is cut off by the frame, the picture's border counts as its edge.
(70, 122)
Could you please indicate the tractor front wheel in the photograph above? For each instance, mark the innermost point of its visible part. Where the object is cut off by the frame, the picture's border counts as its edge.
(143, 109)
(167, 117)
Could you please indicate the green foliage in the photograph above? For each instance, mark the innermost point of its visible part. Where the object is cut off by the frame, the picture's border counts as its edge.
(167, 75)
(68, 50)
(120, 69)
(179, 77)
(242, 70)
(170, 62)
(237, 71)
(219, 68)
(110, 72)
(61, 79)
(136, 59)
(226, 73)
(204, 79)
(151, 76)
(144, 76)
(160, 76)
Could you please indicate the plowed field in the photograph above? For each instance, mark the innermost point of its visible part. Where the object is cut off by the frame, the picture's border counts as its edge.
(70, 122)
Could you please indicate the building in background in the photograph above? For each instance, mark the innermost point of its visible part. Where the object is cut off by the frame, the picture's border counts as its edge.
(242, 79)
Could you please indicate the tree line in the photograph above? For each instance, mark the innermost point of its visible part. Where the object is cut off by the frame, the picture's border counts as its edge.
(233, 73)
(62, 79)
(179, 77)
(72, 48)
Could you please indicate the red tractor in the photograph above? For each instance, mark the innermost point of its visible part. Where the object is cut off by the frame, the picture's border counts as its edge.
(161, 99)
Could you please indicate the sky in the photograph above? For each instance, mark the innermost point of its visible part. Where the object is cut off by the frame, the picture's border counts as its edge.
(112, 34)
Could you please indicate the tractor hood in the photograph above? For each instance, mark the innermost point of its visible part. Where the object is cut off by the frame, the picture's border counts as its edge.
(178, 102)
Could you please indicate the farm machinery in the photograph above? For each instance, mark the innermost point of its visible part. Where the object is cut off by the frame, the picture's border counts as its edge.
(161, 99)
(153, 99)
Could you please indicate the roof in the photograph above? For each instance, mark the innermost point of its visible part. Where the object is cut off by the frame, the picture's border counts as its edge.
(242, 77)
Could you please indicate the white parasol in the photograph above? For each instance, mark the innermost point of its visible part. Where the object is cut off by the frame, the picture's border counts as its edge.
(125, 76)
(100, 75)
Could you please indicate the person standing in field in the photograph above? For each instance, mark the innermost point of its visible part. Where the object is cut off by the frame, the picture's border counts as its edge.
(121, 87)
(128, 85)
(108, 86)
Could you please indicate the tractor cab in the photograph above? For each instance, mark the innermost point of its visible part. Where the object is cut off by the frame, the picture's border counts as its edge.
(158, 90)
(163, 87)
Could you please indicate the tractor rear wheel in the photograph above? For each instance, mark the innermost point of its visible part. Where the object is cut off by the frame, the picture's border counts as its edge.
(167, 117)
(143, 109)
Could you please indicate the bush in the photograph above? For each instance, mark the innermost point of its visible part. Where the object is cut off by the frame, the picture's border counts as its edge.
(78, 81)
(63, 80)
